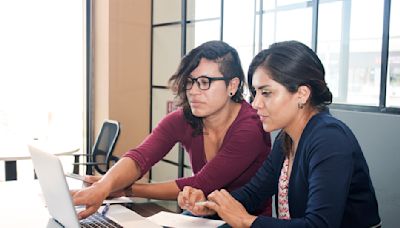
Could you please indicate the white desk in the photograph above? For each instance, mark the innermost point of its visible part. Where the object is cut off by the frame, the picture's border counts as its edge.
(22, 206)
(11, 151)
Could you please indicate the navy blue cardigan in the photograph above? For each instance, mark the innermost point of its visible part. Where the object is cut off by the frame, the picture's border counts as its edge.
(329, 184)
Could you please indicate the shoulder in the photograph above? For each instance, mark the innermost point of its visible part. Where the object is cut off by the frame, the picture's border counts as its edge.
(324, 124)
(247, 116)
(328, 134)
(247, 127)
(174, 120)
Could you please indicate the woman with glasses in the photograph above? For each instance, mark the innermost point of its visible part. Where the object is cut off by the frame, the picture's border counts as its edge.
(219, 130)
(316, 169)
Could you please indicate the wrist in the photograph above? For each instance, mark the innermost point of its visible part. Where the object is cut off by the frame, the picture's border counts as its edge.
(128, 191)
(248, 221)
(103, 187)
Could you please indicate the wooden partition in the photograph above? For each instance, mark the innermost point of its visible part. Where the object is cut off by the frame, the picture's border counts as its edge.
(121, 65)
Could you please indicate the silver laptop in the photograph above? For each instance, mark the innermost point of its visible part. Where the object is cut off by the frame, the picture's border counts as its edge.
(58, 198)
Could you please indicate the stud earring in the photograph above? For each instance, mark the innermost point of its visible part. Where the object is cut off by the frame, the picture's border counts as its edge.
(300, 105)
(230, 94)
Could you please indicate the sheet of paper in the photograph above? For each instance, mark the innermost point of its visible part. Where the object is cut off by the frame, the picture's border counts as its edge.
(122, 199)
(183, 221)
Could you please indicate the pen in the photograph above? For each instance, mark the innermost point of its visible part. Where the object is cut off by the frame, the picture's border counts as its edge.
(105, 209)
(201, 203)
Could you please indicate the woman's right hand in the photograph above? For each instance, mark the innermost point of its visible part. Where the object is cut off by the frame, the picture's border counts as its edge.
(188, 198)
(91, 197)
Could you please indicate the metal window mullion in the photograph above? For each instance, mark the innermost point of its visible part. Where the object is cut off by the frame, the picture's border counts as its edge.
(344, 52)
(384, 54)
(221, 35)
(89, 83)
(314, 34)
(181, 152)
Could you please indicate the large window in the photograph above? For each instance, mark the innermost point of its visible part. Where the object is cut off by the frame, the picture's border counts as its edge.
(41, 73)
(360, 59)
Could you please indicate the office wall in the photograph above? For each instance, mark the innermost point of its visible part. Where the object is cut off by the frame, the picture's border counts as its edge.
(121, 65)
(378, 135)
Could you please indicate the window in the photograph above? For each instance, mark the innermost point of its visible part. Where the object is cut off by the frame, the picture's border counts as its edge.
(393, 78)
(352, 52)
(42, 72)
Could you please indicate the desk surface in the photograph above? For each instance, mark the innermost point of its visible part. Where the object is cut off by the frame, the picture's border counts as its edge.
(22, 206)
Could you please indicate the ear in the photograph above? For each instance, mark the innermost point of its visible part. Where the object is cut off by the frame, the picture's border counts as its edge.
(304, 93)
(233, 85)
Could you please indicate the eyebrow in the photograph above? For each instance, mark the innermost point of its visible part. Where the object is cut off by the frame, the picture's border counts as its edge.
(262, 87)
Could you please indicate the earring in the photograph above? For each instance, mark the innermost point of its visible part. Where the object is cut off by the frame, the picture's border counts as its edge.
(230, 94)
(300, 105)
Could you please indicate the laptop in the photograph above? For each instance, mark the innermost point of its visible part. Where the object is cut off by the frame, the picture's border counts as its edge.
(58, 199)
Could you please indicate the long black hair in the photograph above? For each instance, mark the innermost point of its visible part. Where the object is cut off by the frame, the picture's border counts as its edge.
(293, 64)
(229, 65)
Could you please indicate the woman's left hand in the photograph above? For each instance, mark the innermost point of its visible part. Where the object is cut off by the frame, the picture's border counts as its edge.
(229, 209)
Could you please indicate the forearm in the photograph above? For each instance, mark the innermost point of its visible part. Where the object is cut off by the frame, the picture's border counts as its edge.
(122, 174)
(165, 191)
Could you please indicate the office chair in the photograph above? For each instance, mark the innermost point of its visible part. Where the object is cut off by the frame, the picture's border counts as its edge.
(101, 157)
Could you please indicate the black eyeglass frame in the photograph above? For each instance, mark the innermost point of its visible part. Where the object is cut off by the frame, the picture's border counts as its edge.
(210, 80)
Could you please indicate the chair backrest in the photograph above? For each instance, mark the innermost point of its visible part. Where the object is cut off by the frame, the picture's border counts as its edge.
(104, 146)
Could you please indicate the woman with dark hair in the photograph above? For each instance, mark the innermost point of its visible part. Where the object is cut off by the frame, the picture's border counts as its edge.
(214, 125)
(316, 168)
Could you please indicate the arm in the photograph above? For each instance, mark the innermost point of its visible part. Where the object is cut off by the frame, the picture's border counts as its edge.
(330, 167)
(264, 183)
(236, 152)
(133, 165)
(119, 176)
(165, 191)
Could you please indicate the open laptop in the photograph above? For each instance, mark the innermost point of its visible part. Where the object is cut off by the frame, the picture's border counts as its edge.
(59, 201)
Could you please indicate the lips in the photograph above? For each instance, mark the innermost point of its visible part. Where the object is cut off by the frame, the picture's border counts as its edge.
(262, 117)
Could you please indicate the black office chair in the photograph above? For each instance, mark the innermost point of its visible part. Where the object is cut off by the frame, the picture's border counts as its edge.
(101, 157)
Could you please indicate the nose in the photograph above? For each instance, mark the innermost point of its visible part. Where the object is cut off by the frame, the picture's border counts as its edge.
(257, 103)
(195, 88)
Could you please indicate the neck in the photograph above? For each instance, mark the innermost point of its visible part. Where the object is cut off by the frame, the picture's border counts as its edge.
(295, 129)
(224, 117)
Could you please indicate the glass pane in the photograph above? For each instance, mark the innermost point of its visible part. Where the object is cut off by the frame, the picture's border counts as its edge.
(393, 89)
(166, 11)
(290, 2)
(351, 51)
(41, 76)
(239, 31)
(200, 32)
(203, 9)
(364, 66)
(166, 53)
(294, 24)
(272, 4)
(329, 36)
(41, 64)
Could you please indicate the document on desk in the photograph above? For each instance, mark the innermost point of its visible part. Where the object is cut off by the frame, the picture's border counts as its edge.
(169, 219)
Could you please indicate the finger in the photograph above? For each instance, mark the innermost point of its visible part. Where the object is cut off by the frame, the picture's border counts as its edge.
(91, 179)
(196, 196)
(73, 192)
(211, 205)
(186, 193)
(181, 203)
(86, 213)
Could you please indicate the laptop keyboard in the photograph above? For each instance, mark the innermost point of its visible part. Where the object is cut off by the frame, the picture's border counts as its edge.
(98, 220)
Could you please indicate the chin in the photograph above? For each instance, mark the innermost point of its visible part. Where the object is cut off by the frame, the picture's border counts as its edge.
(268, 128)
(198, 113)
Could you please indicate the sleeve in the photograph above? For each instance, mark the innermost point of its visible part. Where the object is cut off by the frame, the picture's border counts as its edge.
(155, 146)
(263, 185)
(330, 167)
(237, 154)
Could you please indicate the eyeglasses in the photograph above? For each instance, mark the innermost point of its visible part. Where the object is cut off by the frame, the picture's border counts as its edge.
(203, 82)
